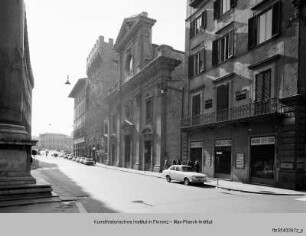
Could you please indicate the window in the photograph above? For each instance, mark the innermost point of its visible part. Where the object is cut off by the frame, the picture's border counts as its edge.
(223, 6)
(223, 48)
(196, 105)
(197, 63)
(149, 110)
(129, 70)
(106, 127)
(128, 111)
(264, 26)
(263, 86)
(197, 24)
(114, 123)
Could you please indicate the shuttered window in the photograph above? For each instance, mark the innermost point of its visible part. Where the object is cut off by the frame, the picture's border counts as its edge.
(264, 25)
(263, 86)
(199, 23)
(223, 6)
(223, 48)
(222, 97)
(197, 63)
(196, 105)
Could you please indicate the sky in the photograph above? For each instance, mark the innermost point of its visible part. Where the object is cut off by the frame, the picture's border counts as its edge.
(61, 35)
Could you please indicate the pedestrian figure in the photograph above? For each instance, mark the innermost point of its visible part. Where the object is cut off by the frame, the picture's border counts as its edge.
(174, 162)
(178, 162)
(189, 163)
(197, 166)
(166, 165)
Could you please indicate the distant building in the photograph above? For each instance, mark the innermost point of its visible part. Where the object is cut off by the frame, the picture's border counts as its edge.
(245, 116)
(52, 141)
(79, 94)
(102, 72)
(145, 107)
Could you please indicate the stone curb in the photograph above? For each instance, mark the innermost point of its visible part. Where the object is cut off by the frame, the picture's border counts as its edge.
(217, 187)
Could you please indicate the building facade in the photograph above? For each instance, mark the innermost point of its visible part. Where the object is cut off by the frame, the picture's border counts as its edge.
(145, 107)
(79, 94)
(102, 73)
(244, 106)
(52, 141)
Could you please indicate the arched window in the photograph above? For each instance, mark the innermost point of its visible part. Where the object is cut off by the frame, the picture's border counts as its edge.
(129, 65)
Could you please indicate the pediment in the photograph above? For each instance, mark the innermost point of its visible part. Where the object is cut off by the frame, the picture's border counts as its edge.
(127, 127)
(127, 24)
(127, 124)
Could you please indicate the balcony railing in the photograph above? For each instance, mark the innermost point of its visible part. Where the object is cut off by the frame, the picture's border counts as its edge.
(236, 113)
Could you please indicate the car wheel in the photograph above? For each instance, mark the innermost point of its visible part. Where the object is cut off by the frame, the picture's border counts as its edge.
(168, 178)
(186, 181)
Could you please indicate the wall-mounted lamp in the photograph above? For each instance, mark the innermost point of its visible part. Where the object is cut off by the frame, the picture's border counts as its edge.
(67, 82)
(298, 6)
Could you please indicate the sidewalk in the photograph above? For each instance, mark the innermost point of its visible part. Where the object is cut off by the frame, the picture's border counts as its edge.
(221, 184)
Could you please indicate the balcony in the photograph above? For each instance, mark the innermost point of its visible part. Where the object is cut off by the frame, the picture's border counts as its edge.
(247, 111)
(195, 3)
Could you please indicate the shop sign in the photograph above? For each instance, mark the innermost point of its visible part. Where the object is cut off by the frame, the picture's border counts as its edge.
(196, 145)
(240, 161)
(223, 143)
(287, 165)
(263, 141)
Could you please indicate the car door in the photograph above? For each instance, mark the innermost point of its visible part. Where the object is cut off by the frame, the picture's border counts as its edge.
(178, 173)
(171, 172)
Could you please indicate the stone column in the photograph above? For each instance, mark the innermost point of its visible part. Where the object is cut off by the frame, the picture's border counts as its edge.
(16, 84)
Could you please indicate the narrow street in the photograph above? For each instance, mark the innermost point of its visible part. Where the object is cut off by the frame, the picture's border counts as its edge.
(96, 189)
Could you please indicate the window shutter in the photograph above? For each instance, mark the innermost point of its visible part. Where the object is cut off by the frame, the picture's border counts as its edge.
(276, 18)
(204, 19)
(190, 66)
(222, 96)
(233, 3)
(196, 105)
(216, 9)
(266, 85)
(231, 43)
(258, 87)
(202, 60)
(215, 52)
(252, 32)
(191, 29)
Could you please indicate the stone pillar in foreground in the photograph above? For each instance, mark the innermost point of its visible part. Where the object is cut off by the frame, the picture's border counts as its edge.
(16, 84)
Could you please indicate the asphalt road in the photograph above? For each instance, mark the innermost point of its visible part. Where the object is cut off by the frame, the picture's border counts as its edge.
(100, 190)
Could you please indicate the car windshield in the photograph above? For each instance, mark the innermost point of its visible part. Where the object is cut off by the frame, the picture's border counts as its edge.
(186, 169)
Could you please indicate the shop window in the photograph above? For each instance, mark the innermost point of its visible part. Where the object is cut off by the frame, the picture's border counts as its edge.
(223, 48)
(264, 26)
(223, 6)
(197, 63)
(199, 23)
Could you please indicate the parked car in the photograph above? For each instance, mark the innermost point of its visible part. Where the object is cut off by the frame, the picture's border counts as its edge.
(89, 161)
(183, 173)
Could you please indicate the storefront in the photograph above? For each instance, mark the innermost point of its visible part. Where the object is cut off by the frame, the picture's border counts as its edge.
(196, 153)
(223, 158)
(263, 160)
